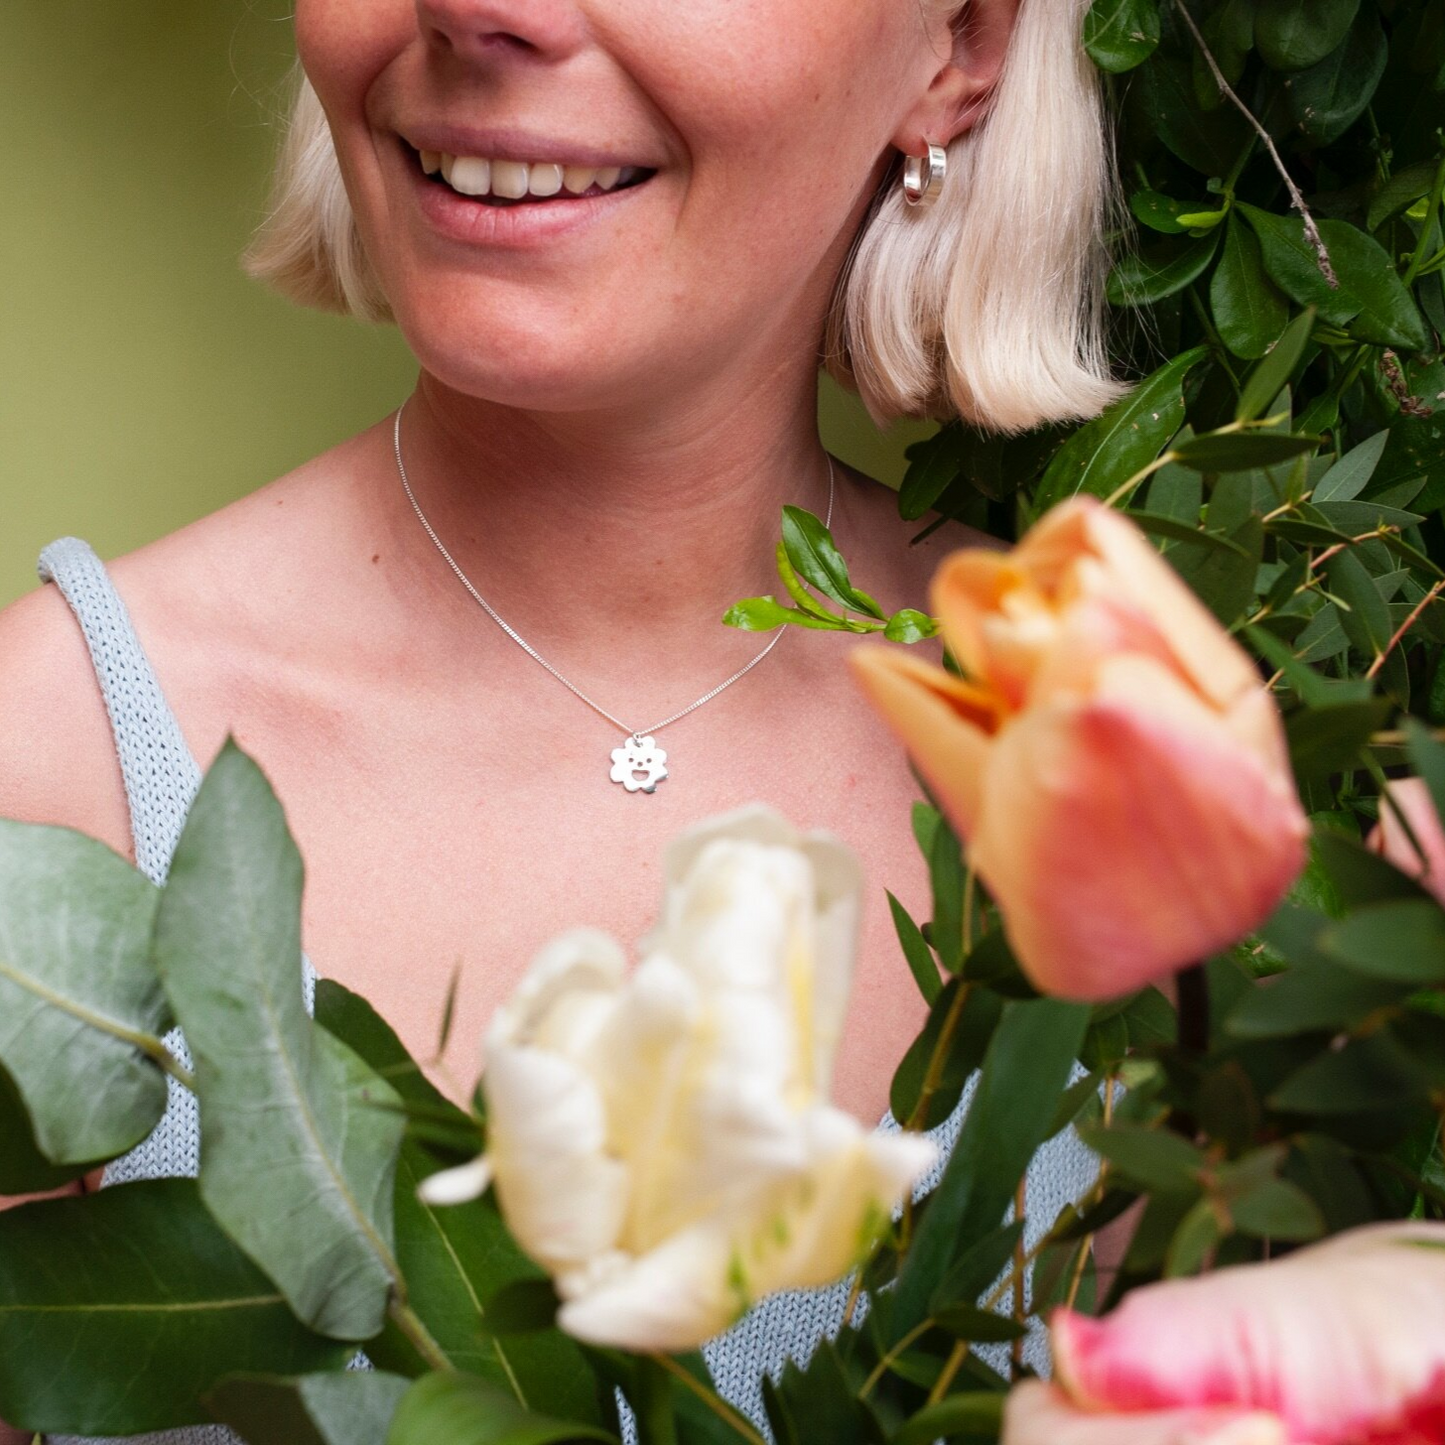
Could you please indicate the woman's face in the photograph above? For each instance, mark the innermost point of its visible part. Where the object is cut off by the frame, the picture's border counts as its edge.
(752, 133)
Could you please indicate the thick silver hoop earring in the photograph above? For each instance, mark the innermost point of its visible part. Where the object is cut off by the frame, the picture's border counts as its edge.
(923, 176)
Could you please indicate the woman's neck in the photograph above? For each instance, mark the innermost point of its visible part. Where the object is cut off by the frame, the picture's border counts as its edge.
(641, 529)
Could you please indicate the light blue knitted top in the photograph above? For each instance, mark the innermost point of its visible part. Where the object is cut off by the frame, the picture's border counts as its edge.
(161, 778)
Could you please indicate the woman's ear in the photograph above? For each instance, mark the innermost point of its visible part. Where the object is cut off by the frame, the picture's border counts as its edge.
(970, 53)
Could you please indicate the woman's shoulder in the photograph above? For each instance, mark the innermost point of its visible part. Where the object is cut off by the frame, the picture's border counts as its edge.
(193, 597)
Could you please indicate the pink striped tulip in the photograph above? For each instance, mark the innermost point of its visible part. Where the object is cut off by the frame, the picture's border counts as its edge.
(1412, 797)
(1339, 1344)
(1113, 761)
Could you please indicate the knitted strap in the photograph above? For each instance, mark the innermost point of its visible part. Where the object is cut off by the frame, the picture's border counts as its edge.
(161, 776)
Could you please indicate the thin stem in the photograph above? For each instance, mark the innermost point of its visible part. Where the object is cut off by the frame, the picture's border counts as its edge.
(881, 1368)
(1143, 474)
(934, 1075)
(1432, 210)
(410, 1324)
(1312, 231)
(1020, 1309)
(1193, 984)
(1404, 627)
(854, 1294)
(719, 1407)
(956, 1356)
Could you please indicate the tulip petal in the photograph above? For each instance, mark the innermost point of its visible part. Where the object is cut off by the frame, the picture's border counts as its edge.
(1412, 797)
(837, 885)
(457, 1186)
(945, 723)
(563, 1196)
(1343, 1341)
(1129, 835)
(1132, 572)
(1040, 1414)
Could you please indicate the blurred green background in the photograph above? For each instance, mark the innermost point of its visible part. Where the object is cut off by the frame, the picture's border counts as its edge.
(144, 381)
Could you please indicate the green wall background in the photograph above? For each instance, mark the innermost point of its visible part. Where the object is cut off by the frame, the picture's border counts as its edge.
(144, 381)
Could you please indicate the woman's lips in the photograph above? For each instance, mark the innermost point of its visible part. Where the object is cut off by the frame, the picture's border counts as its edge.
(511, 221)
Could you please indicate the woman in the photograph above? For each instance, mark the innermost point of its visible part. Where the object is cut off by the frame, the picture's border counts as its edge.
(617, 237)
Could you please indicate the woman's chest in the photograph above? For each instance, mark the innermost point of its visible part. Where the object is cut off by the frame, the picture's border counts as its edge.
(437, 846)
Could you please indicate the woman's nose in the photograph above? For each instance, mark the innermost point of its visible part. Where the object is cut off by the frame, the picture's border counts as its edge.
(484, 29)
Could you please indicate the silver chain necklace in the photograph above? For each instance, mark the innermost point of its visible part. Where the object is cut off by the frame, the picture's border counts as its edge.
(638, 764)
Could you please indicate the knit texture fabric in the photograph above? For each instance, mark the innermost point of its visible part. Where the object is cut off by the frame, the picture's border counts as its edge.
(161, 778)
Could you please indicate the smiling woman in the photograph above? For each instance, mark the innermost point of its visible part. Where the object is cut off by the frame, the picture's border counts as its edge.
(619, 237)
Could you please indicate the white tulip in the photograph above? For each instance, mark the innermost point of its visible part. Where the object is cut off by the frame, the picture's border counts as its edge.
(662, 1143)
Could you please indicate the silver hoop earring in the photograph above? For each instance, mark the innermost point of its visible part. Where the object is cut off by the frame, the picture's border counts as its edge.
(923, 176)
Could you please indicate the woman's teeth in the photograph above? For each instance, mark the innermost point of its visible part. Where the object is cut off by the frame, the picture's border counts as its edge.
(518, 180)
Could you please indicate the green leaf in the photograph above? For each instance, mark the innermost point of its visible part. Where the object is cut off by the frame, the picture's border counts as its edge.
(1367, 623)
(1183, 532)
(462, 1410)
(1109, 450)
(1330, 96)
(1163, 103)
(1351, 474)
(1330, 738)
(1362, 876)
(1159, 212)
(119, 1309)
(1241, 451)
(1198, 1234)
(1403, 942)
(299, 1161)
(1272, 374)
(812, 552)
(454, 1257)
(817, 1402)
(977, 1326)
(76, 990)
(1153, 1158)
(1428, 758)
(1248, 311)
(947, 876)
(1024, 1072)
(762, 614)
(933, 466)
(916, 952)
(1120, 34)
(909, 625)
(975, 1412)
(1143, 277)
(1275, 1209)
(1310, 998)
(1368, 1075)
(23, 1168)
(1401, 190)
(975, 1018)
(352, 1407)
(1370, 299)
(978, 1267)
(1292, 34)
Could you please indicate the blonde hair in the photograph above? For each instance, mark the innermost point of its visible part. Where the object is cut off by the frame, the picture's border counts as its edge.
(987, 305)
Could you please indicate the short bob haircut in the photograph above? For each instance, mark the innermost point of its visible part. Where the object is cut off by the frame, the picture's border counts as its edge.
(986, 305)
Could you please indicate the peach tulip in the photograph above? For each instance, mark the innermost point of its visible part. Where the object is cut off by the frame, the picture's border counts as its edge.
(1412, 797)
(1342, 1343)
(1111, 757)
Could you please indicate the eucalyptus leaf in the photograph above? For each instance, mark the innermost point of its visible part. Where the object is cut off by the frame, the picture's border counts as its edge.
(463, 1410)
(300, 1154)
(1241, 451)
(1107, 451)
(1272, 374)
(1351, 474)
(120, 1309)
(78, 992)
(1367, 622)
(1153, 1158)
(971, 1413)
(933, 465)
(351, 1407)
(1276, 1209)
(457, 1259)
(916, 952)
